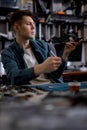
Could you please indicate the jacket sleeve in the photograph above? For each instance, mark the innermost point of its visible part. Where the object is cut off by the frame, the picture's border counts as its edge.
(15, 74)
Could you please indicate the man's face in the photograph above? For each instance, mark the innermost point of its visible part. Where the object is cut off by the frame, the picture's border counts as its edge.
(25, 28)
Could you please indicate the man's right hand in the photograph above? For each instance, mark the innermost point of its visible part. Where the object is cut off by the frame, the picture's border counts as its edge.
(49, 65)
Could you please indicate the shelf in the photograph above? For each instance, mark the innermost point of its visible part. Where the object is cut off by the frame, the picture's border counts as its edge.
(67, 18)
(6, 10)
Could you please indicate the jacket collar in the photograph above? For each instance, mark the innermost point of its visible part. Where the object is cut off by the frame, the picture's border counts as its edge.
(37, 50)
(18, 48)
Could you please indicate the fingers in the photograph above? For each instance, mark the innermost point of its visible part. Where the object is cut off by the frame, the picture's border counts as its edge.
(55, 62)
(71, 44)
(51, 64)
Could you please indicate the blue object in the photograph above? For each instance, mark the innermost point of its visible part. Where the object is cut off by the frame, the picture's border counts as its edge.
(58, 86)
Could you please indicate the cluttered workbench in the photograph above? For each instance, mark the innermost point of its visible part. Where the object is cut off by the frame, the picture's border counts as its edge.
(44, 107)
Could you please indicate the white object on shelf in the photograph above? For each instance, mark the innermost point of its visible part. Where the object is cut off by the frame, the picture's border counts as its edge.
(4, 35)
(83, 68)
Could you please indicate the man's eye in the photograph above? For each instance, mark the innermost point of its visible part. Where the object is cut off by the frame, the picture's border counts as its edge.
(28, 23)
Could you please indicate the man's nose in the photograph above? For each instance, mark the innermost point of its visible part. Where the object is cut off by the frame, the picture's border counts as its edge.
(33, 26)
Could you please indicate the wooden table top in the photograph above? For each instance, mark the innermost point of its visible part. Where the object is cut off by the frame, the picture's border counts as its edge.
(75, 75)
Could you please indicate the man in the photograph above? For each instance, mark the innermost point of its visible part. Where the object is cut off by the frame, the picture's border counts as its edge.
(28, 60)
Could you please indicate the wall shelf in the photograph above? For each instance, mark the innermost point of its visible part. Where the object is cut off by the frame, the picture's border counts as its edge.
(6, 10)
(67, 18)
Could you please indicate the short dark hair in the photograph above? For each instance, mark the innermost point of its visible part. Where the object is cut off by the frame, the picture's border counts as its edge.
(17, 15)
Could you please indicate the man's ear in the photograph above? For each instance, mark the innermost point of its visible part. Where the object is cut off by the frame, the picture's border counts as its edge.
(16, 26)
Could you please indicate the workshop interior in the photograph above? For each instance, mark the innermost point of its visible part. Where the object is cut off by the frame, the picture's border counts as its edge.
(54, 106)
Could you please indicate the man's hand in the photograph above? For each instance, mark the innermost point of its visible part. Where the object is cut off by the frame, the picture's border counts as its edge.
(69, 47)
(49, 65)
